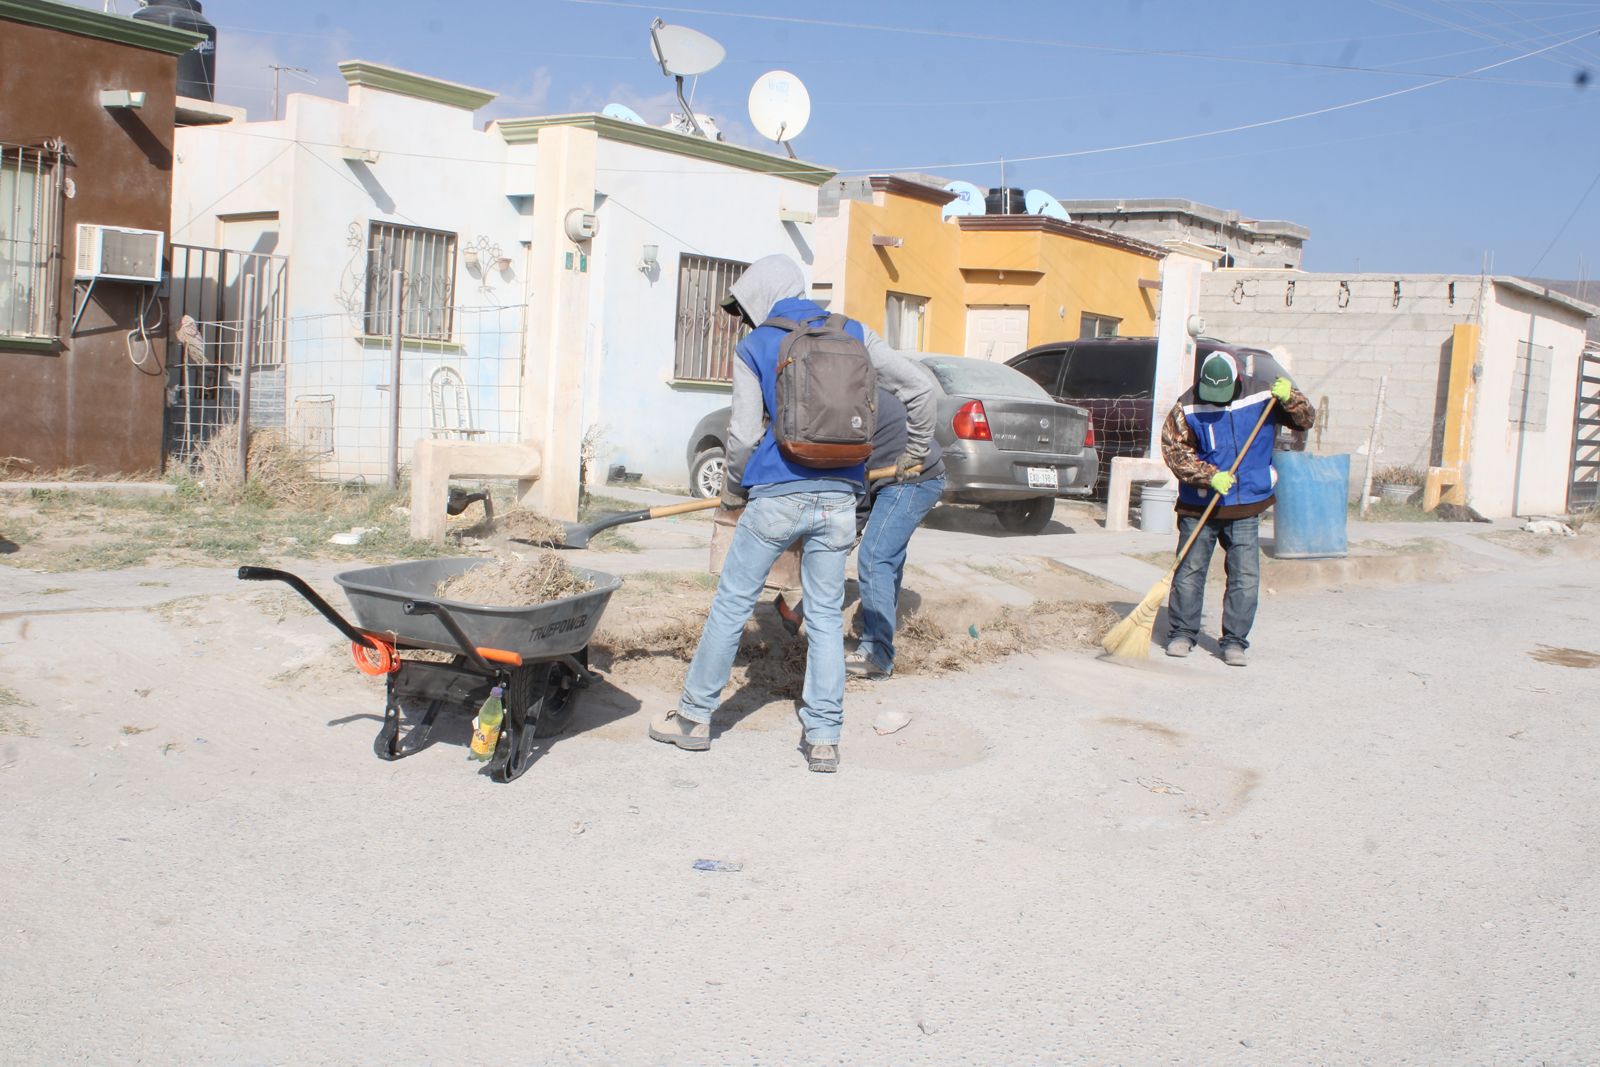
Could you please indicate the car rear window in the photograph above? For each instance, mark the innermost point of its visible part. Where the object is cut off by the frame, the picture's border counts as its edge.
(978, 377)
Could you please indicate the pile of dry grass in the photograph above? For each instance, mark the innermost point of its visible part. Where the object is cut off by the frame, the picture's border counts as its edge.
(924, 646)
(525, 524)
(516, 582)
(280, 470)
(771, 660)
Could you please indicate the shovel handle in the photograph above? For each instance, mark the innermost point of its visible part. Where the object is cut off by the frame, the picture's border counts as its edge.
(706, 505)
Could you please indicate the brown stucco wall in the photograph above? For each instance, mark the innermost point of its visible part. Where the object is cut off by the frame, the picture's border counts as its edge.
(85, 404)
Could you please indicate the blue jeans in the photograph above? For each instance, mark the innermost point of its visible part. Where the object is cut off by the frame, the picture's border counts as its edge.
(1241, 541)
(825, 523)
(881, 562)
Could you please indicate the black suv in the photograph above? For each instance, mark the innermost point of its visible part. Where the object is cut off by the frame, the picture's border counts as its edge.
(1114, 377)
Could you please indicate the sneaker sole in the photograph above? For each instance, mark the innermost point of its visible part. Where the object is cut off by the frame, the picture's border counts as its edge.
(822, 767)
(1180, 655)
(688, 744)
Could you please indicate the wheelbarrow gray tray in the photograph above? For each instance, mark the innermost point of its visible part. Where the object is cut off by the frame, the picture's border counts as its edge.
(378, 596)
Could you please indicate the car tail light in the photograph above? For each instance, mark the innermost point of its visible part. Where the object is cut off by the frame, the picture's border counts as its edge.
(1088, 435)
(970, 423)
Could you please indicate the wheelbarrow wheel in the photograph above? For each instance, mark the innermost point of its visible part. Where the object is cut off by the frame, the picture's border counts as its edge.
(561, 698)
(539, 705)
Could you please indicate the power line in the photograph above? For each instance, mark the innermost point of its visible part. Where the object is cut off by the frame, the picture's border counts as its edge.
(1575, 209)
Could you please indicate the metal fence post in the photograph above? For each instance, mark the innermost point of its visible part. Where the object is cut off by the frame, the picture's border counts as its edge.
(397, 321)
(247, 345)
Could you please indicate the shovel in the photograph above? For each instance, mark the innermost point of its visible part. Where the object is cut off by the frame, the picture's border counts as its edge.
(577, 534)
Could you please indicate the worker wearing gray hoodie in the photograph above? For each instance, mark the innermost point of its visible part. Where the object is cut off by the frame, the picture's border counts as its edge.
(784, 502)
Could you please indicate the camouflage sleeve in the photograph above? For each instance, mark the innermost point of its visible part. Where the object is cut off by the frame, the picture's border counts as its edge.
(1297, 411)
(1178, 449)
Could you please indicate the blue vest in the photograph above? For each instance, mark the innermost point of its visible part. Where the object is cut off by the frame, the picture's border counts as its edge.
(1220, 431)
(759, 351)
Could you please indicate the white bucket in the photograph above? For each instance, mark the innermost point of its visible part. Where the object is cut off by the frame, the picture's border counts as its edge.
(1155, 509)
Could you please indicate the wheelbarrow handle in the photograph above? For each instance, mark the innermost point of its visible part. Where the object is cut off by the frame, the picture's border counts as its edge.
(295, 582)
(478, 657)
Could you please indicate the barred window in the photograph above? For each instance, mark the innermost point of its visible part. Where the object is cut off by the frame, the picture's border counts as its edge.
(428, 258)
(30, 241)
(707, 335)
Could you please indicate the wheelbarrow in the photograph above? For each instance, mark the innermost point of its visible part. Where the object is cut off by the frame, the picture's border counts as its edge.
(539, 655)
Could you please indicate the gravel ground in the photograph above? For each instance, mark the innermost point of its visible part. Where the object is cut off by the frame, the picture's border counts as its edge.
(1376, 844)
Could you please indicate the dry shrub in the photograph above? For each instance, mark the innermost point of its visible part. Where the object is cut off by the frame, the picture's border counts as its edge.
(515, 582)
(281, 471)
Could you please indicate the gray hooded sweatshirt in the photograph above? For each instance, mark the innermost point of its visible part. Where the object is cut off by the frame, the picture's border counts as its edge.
(770, 280)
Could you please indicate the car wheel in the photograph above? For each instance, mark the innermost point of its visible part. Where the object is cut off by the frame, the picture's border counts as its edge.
(1026, 516)
(705, 475)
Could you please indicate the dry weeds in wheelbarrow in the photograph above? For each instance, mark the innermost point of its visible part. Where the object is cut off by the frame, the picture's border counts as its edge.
(515, 582)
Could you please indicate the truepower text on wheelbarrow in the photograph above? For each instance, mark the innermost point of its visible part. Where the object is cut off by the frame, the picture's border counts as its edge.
(539, 654)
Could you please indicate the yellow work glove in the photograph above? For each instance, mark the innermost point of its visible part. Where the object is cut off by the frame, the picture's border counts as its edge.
(1222, 482)
(1281, 389)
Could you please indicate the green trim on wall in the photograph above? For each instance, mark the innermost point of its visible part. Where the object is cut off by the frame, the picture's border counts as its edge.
(70, 18)
(526, 131)
(406, 83)
(410, 344)
(30, 344)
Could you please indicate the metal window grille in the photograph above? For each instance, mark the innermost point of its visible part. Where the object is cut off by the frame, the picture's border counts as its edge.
(707, 336)
(428, 258)
(30, 240)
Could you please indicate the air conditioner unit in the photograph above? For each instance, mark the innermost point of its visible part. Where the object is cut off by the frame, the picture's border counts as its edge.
(115, 253)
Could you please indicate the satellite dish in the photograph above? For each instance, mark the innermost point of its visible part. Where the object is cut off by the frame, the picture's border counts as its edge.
(780, 107)
(968, 201)
(1039, 202)
(683, 52)
(624, 113)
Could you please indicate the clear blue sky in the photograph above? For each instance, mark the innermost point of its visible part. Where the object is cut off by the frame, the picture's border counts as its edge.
(1496, 162)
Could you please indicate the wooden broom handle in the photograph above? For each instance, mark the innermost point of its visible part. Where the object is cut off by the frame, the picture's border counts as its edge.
(1216, 496)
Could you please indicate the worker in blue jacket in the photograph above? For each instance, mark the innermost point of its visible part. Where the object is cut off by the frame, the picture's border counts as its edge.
(1200, 441)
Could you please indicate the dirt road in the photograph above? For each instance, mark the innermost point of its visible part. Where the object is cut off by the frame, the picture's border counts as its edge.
(1378, 843)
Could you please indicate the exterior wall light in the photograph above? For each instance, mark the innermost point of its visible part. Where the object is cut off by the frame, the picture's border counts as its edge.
(647, 260)
(121, 98)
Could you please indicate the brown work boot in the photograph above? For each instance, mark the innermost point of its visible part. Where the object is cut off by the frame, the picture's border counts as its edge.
(674, 729)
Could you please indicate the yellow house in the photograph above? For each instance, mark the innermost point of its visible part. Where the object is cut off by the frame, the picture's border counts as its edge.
(986, 286)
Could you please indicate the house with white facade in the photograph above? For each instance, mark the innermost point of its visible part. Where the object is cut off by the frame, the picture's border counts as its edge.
(560, 274)
(1481, 376)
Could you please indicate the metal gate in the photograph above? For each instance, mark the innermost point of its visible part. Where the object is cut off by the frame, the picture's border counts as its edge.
(208, 316)
(1585, 490)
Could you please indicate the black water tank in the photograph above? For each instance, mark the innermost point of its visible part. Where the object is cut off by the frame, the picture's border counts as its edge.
(1005, 202)
(197, 68)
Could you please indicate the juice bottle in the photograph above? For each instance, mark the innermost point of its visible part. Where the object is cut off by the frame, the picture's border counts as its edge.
(486, 727)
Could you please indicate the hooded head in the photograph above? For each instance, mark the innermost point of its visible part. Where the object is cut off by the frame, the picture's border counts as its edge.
(1218, 376)
(764, 283)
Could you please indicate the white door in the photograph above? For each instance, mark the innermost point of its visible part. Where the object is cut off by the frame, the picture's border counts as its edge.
(996, 332)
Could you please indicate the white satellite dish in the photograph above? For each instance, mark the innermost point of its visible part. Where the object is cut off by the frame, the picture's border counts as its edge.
(968, 201)
(624, 113)
(1039, 202)
(683, 52)
(780, 107)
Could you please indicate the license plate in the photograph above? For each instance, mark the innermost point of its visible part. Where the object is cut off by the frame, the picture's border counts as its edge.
(1042, 478)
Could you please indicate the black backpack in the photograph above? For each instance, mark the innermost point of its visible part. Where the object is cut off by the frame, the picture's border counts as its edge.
(827, 391)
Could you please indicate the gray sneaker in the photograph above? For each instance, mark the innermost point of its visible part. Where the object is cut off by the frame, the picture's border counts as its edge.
(824, 759)
(674, 729)
(1233, 655)
(860, 665)
(1180, 647)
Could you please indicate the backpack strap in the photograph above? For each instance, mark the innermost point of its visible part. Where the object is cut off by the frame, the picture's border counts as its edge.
(786, 325)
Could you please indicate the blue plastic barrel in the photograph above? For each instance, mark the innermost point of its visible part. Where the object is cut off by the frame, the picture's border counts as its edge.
(1308, 521)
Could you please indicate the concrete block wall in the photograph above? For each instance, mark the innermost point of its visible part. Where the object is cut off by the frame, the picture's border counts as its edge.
(1339, 335)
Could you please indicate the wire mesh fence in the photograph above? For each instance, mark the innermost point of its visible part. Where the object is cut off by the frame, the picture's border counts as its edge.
(329, 386)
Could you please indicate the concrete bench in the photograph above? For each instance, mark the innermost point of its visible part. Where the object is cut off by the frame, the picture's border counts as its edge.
(1125, 470)
(435, 462)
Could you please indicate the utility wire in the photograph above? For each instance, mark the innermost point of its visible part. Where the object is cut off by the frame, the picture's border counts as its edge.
(1533, 270)
(242, 183)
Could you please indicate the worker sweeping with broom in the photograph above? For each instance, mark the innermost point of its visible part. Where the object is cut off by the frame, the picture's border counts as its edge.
(1213, 442)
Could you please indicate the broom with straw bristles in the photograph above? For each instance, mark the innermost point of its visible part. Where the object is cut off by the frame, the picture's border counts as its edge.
(1130, 638)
